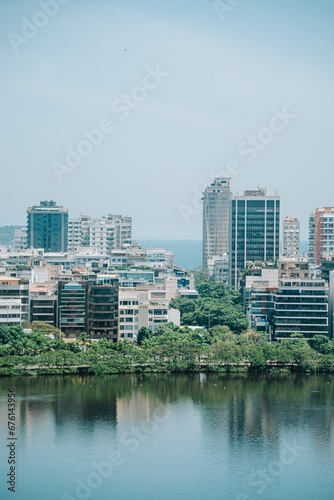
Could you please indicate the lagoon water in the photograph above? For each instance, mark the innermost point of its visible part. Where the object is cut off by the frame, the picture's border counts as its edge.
(170, 437)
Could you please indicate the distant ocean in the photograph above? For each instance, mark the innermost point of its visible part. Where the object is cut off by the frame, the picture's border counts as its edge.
(188, 253)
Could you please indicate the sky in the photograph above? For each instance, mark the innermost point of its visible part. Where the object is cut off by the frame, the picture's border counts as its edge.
(132, 107)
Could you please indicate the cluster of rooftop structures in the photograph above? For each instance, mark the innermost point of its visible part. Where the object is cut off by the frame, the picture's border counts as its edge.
(284, 292)
(87, 275)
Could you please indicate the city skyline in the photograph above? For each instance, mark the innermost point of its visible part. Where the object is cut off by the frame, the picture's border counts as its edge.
(191, 92)
(304, 228)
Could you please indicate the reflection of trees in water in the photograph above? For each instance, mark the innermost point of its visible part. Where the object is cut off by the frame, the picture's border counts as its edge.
(249, 406)
(70, 399)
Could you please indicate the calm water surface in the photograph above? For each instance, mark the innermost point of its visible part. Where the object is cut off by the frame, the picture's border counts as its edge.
(167, 437)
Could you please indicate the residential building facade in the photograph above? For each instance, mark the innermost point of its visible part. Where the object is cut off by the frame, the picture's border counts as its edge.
(102, 314)
(291, 237)
(321, 233)
(301, 306)
(113, 232)
(16, 289)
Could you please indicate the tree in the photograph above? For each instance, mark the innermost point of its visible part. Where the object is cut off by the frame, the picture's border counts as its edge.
(46, 329)
(217, 304)
(321, 344)
(201, 275)
(82, 341)
(143, 333)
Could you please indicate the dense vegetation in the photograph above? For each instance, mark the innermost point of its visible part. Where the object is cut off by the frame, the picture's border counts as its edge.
(224, 344)
(217, 304)
(169, 349)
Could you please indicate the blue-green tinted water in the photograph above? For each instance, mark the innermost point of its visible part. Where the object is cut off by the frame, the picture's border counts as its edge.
(170, 437)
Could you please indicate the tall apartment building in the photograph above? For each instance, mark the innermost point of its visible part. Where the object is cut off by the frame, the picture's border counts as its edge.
(254, 231)
(47, 227)
(109, 233)
(216, 217)
(291, 237)
(102, 314)
(88, 305)
(123, 230)
(101, 235)
(321, 233)
(71, 307)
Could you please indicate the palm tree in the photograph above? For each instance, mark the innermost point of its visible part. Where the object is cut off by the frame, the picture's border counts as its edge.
(82, 340)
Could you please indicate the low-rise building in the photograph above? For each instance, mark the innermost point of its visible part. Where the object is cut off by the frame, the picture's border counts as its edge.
(144, 306)
(43, 304)
(301, 306)
(14, 288)
(326, 265)
(294, 268)
(10, 312)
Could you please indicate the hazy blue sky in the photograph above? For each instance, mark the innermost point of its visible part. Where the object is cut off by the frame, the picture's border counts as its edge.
(230, 72)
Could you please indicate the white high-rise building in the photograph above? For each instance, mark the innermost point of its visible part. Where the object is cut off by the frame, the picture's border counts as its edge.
(291, 237)
(74, 234)
(21, 238)
(216, 216)
(101, 235)
(109, 233)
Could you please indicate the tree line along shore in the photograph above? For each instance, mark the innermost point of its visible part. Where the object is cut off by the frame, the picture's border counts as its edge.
(222, 344)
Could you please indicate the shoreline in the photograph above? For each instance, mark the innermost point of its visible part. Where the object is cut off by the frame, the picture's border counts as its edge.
(244, 368)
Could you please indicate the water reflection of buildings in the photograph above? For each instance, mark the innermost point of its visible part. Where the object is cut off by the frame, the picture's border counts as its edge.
(58, 405)
(239, 413)
(246, 415)
(72, 402)
(136, 405)
(138, 408)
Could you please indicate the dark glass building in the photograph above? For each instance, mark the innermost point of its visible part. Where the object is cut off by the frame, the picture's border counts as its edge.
(254, 231)
(72, 307)
(47, 227)
(103, 310)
